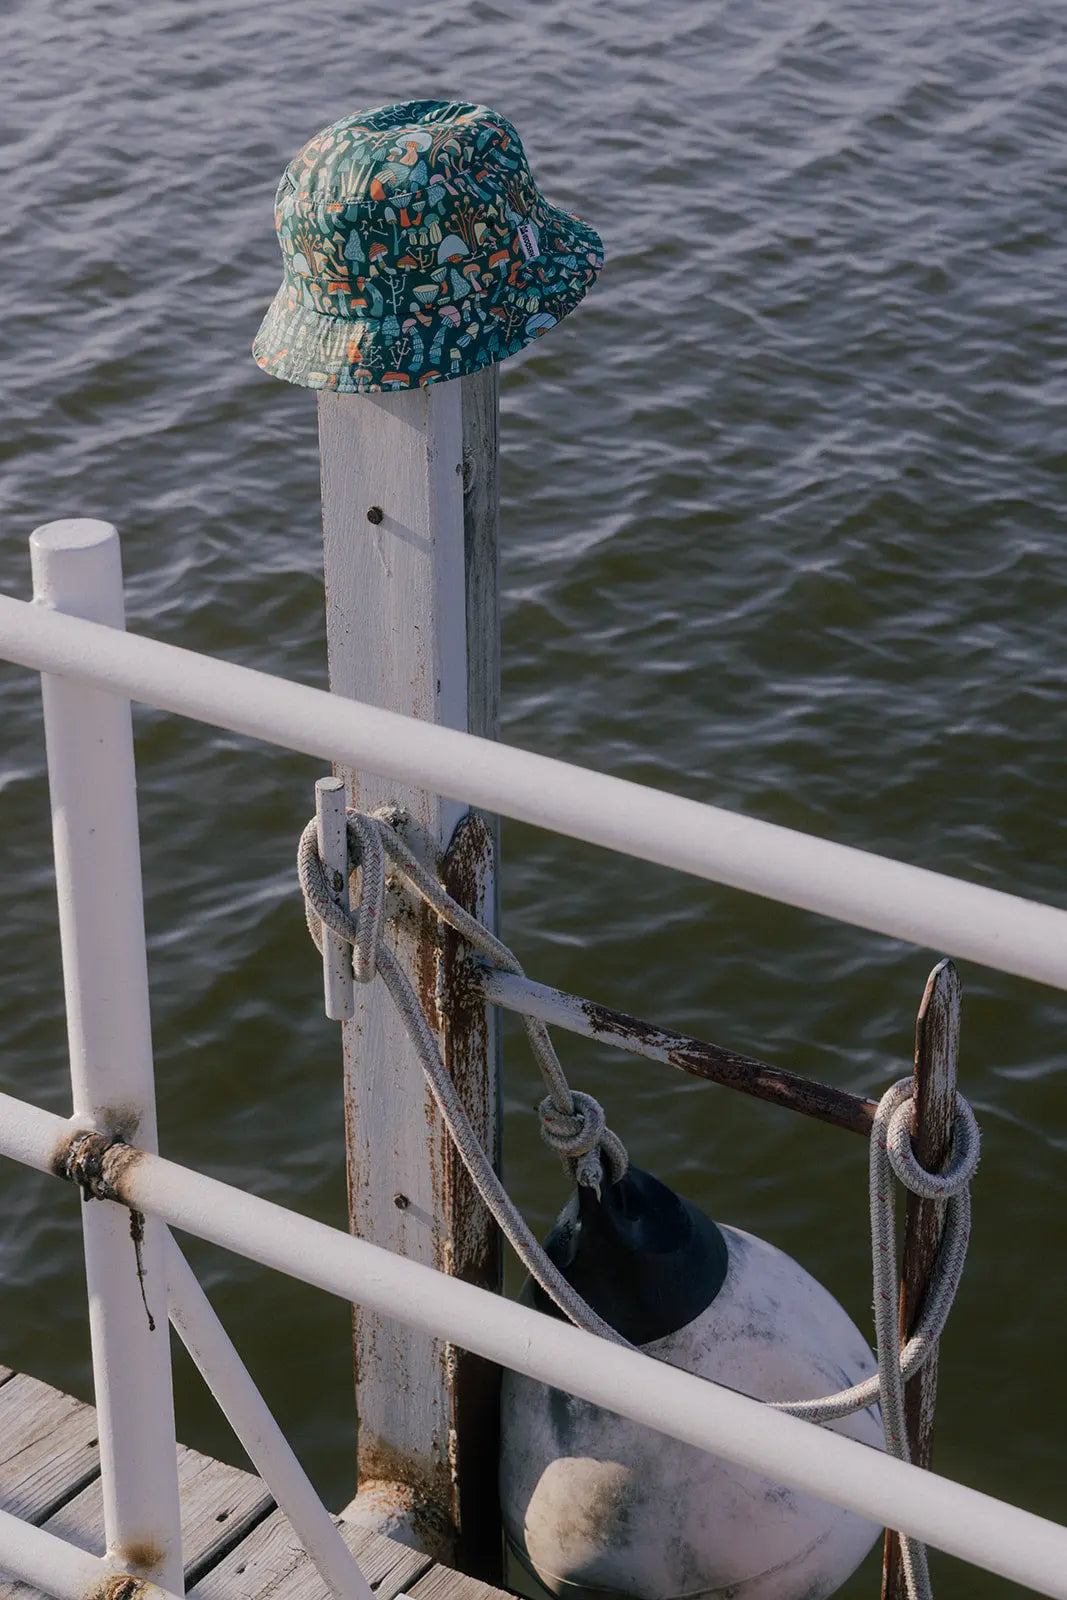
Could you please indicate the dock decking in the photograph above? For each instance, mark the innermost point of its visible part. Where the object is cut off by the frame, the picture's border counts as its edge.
(237, 1545)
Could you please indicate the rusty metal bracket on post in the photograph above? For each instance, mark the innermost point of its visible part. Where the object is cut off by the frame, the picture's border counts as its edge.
(937, 1040)
(698, 1057)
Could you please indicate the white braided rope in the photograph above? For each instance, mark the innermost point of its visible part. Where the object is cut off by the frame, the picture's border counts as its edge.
(371, 956)
(892, 1153)
(573, 1124)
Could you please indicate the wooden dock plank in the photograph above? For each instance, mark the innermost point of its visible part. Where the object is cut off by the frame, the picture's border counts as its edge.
(271, 1562)
(48, 1448)
(220, 1505)
(441, 1583)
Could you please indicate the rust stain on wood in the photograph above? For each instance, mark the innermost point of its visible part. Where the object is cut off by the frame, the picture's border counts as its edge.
(474, 1384)
(397, 1483)
(424, 979)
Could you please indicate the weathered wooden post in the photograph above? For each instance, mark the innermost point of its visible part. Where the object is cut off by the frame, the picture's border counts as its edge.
(937, 1042)
(406, 630)
(417, 249)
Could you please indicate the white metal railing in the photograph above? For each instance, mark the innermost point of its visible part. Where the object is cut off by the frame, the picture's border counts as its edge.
(979, 1529)
(90, 754)
(869, 891)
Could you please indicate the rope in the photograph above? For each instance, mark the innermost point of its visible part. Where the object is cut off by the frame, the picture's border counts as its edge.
(573, 1125)
(892, 1153)
(583, 1134)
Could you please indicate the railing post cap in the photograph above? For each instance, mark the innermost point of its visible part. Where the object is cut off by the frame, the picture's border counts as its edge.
(72, 533)
(77, 568)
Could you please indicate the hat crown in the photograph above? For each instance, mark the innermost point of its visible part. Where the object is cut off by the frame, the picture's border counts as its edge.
(416, 248)
(372, 158)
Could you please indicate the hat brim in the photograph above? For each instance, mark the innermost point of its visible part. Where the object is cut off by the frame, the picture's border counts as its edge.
(317, 350)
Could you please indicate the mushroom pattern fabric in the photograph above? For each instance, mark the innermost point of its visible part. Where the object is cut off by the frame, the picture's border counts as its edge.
(416, 248)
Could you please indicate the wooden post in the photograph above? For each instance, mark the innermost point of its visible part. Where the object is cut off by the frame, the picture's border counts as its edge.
(409, 503)
(937, 1041)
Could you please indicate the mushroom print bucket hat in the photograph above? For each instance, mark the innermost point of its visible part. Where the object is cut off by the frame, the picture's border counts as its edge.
(417, 247)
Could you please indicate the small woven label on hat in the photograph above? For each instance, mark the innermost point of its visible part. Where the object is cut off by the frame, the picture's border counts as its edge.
(528, 240)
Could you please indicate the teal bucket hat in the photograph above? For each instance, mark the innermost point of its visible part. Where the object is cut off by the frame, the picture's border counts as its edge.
(417, 248)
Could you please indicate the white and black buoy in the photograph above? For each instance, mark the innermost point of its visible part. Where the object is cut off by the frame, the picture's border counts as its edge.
(595, 1505)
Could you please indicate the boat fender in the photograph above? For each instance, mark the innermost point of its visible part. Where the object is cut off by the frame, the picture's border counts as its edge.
(597, 1506)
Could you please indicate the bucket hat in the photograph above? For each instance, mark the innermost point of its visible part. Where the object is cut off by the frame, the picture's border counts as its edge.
(417, 248)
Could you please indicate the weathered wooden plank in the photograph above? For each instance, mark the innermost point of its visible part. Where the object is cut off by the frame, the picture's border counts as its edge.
(937, 1037)
(48, 1447)
(5, 1374)
(272, 1561)
(220, 1504)
(441, 1583)
(472, 1036)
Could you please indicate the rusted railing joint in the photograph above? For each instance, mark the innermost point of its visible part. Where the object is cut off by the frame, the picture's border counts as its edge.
(95, 1161)
(121, 1585)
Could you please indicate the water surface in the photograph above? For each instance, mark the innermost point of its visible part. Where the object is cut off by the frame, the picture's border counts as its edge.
(782, 530)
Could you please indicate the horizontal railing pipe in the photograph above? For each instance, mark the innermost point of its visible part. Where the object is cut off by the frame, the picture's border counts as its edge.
(925, 908)
(988, 1533)
(695, 1056)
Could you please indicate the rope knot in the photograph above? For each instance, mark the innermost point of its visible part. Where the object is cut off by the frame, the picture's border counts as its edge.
(581, 1137)
(575, 1135)
(894, 1114)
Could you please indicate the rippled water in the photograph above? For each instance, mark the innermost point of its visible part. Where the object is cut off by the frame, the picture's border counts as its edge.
(782, 530)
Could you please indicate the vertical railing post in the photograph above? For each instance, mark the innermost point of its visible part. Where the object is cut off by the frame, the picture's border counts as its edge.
(409, 502)
(89, 736)
(937, 1043)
